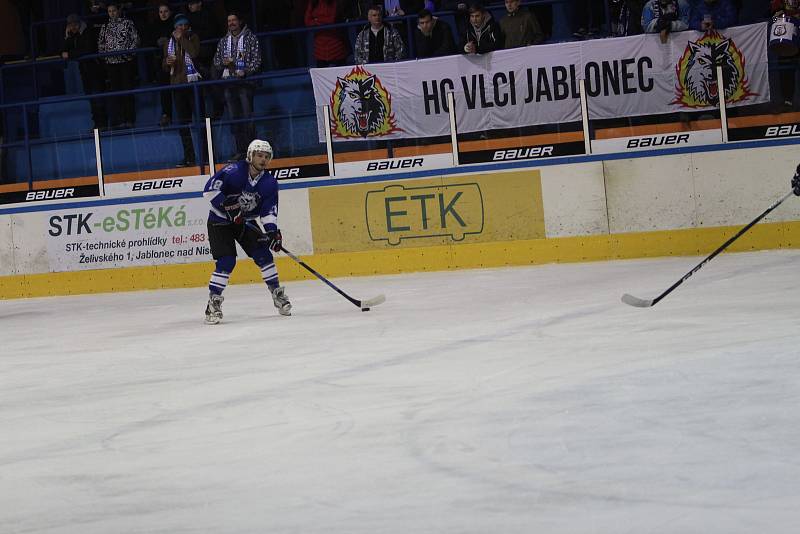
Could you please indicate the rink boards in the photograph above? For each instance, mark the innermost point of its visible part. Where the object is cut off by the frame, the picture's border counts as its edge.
(149, 235)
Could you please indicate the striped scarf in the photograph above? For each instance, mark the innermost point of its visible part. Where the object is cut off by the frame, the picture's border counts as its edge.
(191, 72)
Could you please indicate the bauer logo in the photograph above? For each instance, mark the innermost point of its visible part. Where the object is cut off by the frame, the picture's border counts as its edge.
(394, 165)
(385, 165)
(43, 195)
(523, 153)
(397, 212)
(50, 194)
(787, 130)
(658, 140)
(169, 183)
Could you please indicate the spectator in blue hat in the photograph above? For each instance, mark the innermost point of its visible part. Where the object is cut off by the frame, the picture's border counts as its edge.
(180, 51)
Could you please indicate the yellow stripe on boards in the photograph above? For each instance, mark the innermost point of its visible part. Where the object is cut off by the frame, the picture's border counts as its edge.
(689, 242)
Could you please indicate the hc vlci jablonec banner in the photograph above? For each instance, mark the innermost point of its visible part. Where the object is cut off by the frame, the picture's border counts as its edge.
(624, 77)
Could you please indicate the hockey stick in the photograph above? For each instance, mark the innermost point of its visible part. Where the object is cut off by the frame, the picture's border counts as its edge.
(646, 303)
(365, 305)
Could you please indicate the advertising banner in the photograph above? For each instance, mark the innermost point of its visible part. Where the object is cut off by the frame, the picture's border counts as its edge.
(628, 76)
(656, 141)
(394, 165)
(126, 235)
(768, 131)
(460, 209)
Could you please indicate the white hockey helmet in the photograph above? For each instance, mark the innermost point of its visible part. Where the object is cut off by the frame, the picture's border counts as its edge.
(257, 145)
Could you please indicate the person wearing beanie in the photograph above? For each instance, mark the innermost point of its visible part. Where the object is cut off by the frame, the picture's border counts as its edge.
(179, 54)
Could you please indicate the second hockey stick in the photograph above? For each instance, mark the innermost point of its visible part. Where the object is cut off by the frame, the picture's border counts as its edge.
(646, 303)
(365, 305)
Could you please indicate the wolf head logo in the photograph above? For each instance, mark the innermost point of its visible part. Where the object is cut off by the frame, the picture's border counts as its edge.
(361, 110)
(697, 79)
(361, 106)
(249, 201)
(701, 77)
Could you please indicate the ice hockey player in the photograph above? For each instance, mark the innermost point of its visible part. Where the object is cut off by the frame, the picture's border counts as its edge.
(244, 199)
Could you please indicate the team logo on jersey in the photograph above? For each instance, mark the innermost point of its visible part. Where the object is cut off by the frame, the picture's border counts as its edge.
(696, 72)
(248, 200)
(361, 106)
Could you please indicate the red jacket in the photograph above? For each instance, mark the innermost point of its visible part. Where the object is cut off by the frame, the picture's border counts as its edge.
(329, 45)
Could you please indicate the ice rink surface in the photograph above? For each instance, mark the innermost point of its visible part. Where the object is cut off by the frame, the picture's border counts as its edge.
(519, 400)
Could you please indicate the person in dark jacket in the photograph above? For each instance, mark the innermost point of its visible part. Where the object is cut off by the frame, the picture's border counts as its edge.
(80, 41)
(433, 36)
(160, 33)
(378, 42)
(179, 53)
(483, 33)
(520, 26)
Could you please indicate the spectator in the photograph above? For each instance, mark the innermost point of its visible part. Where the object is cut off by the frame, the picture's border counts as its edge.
(80, 41)
(787, 64)
(161, 34)
(706, 15)
(179, 53)
(588, 18)
(520, 26)
(330, 47)
(626, 17)
(119, 34)
(239, 56)
(433, 36)
(665, 16)
(378, 42)
(483, 33)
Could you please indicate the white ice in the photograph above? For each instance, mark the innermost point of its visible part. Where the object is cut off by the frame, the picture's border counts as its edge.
(518, 400)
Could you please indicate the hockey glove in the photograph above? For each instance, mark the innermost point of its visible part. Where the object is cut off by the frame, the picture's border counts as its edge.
(233, 210)
(274, 240)
(796, 182)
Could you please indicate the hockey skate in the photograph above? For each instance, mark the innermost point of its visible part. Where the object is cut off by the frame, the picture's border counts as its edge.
(214, 309)
(281, 301)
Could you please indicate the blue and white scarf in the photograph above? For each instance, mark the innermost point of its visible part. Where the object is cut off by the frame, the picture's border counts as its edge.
(191, 72)
(235, 50)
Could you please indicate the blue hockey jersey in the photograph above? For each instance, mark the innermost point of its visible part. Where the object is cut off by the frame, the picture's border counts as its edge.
(257, 196)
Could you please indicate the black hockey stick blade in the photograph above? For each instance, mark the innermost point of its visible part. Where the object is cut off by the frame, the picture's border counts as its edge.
(630, 300)
(642, 303)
